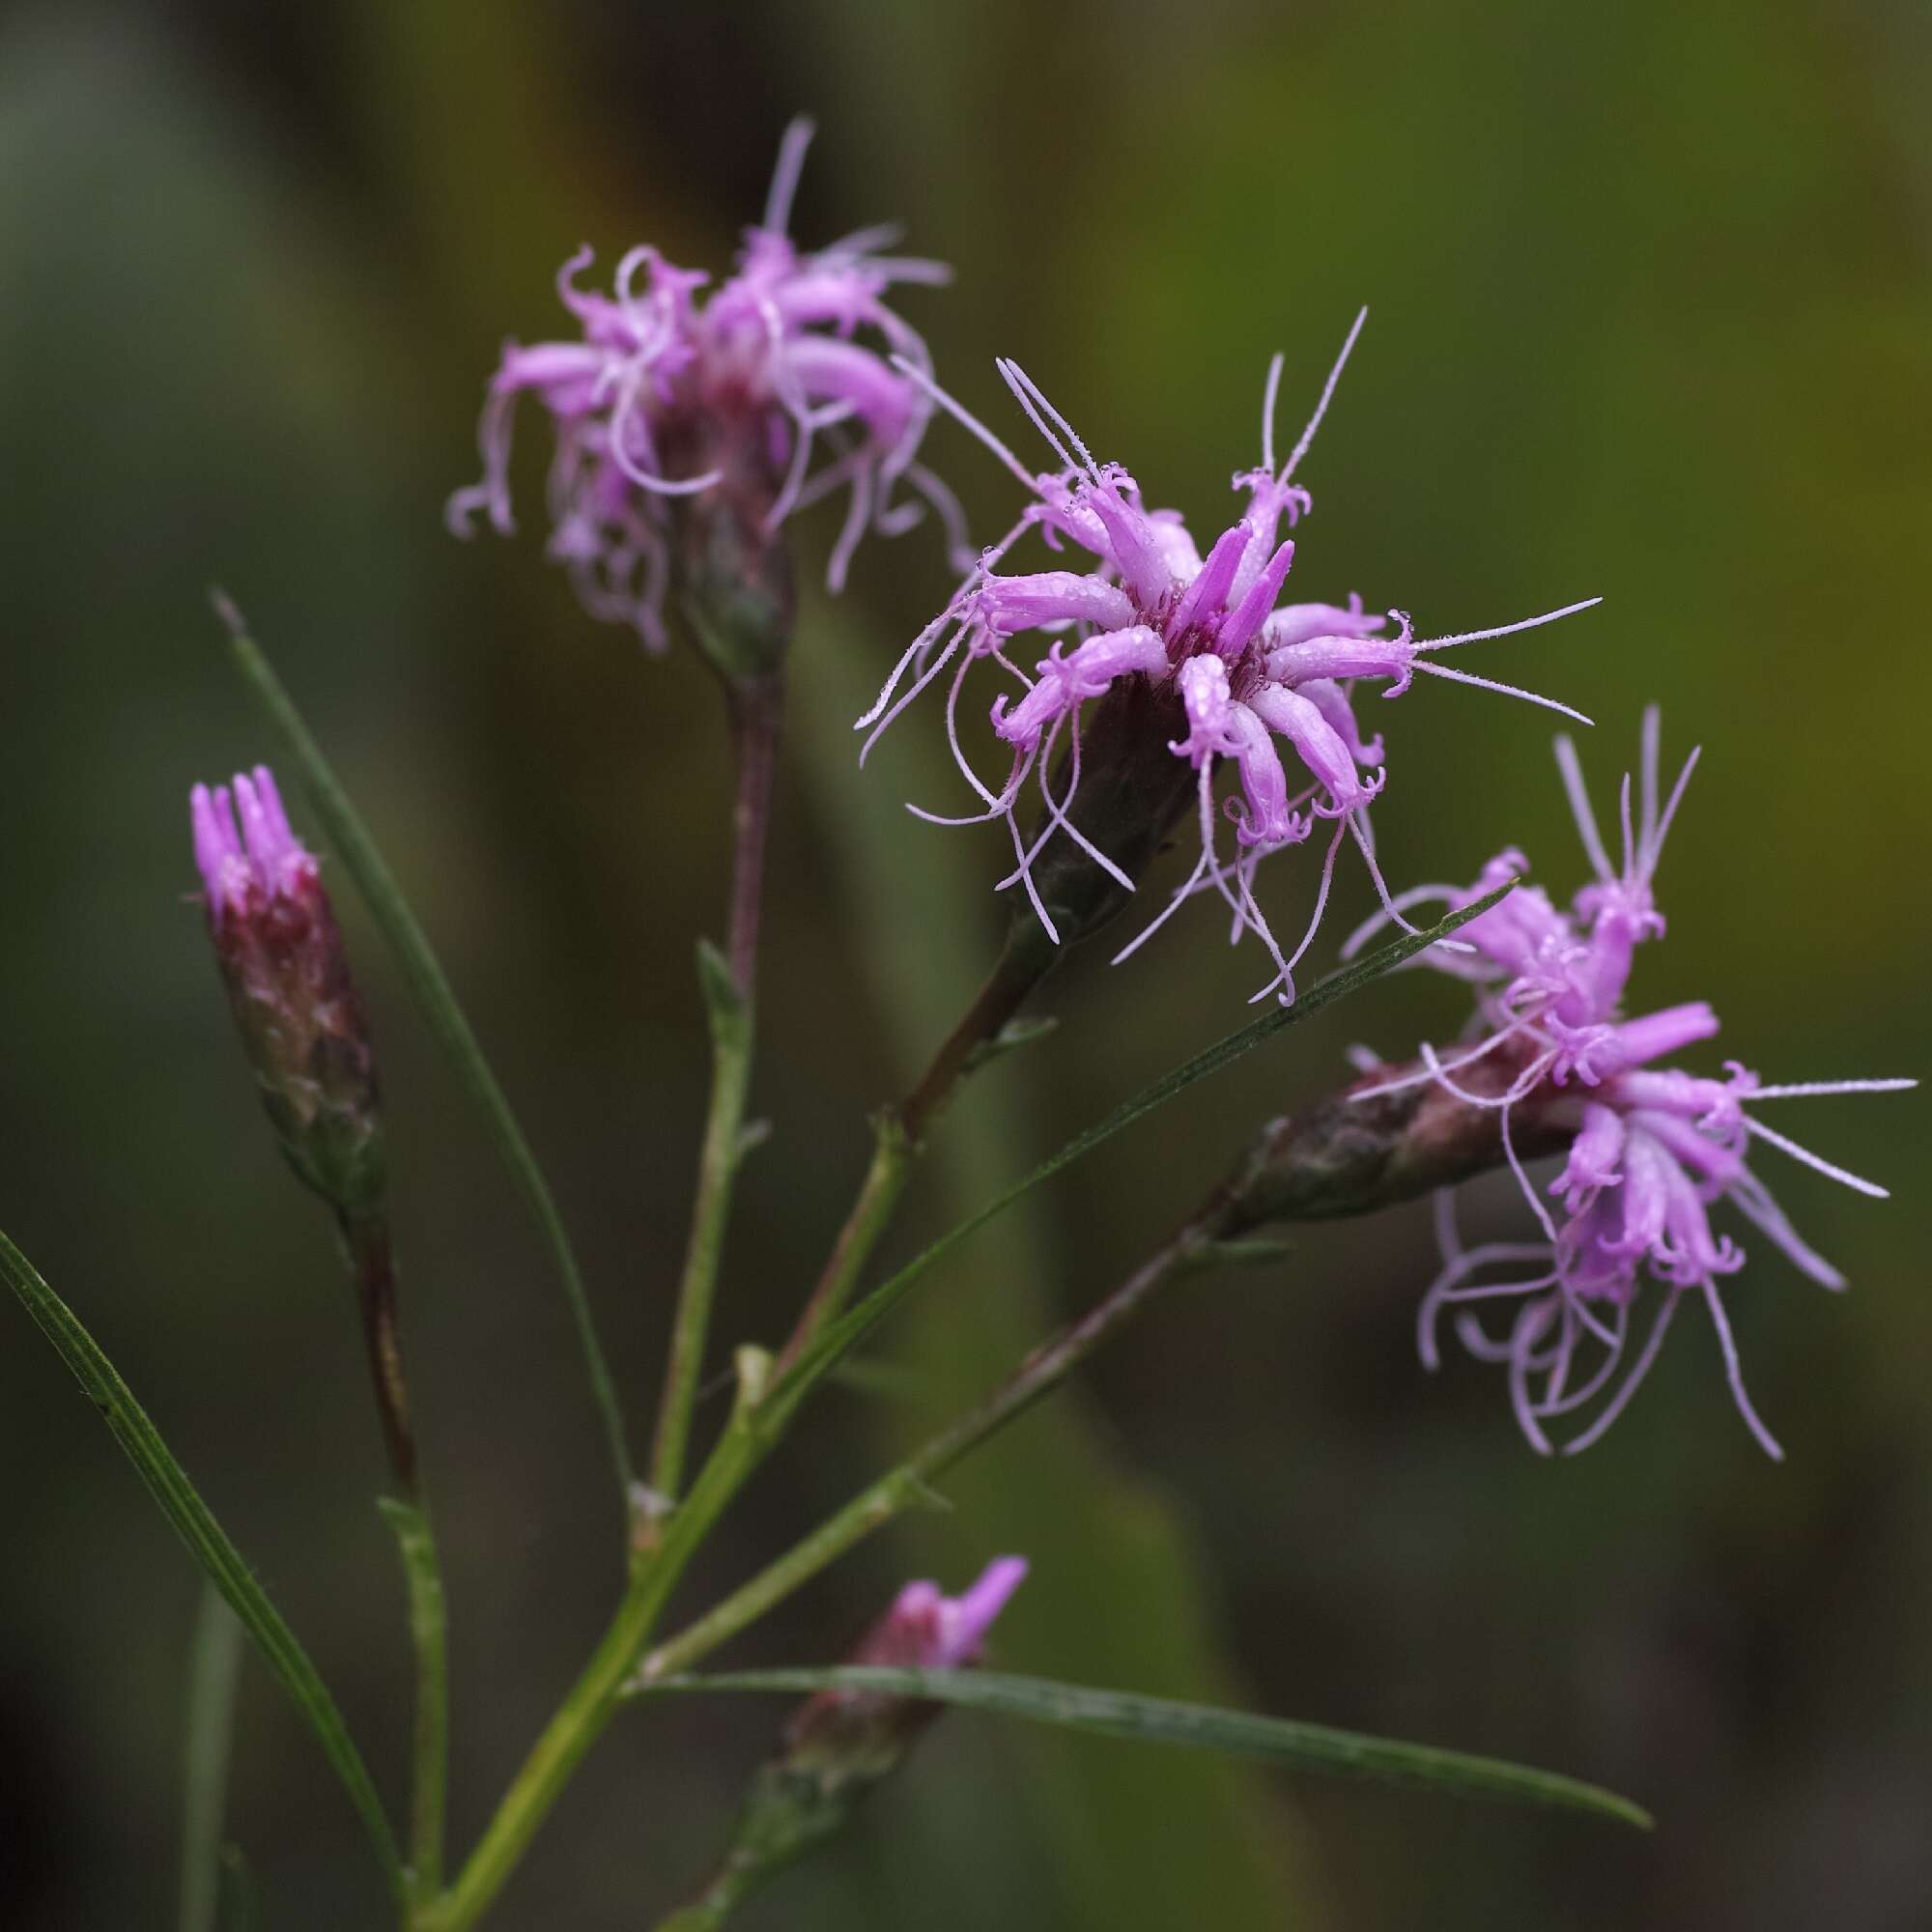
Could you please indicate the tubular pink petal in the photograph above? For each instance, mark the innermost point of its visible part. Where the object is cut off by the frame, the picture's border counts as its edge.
(1203, 599)
(1669, 1030)
(1317, 742)
(1247, 618)
(1014, 604)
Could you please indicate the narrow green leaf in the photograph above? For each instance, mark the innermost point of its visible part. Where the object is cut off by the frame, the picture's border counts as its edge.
(210, 1729)
(838, 1335)
(726, 1007)
(1121, 1714)
(884, 1381)
(167, 1482)
(429, 1638)
(431, 989)
(239, 1910)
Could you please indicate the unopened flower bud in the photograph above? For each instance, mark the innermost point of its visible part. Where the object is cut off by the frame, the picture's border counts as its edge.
(282, 960)
(845, 1737)
(1360, 1150)
(841, 1742)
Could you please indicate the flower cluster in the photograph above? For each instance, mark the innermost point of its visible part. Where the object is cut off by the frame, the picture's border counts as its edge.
(1651, 1148)
(1240, 673)
(282, 960)
(761, 393)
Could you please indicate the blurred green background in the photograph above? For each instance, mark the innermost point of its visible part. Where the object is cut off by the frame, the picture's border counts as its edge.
(1650, 317)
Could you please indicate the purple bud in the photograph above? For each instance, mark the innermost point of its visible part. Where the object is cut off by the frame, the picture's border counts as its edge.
(281, 959)
(841, 1731)
(840, 1744)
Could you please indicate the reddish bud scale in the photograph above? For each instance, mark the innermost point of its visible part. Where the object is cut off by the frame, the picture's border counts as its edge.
(302, 1026)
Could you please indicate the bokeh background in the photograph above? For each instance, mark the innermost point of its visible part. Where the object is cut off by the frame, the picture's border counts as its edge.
(1649, 291)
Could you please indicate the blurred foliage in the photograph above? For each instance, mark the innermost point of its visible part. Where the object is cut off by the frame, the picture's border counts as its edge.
(1649, 293)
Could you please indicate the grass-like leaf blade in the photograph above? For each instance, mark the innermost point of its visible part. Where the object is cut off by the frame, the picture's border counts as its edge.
(428, 985)
(208, 1734)
(181, 1504)
(1121, 1714)
(838, 1336)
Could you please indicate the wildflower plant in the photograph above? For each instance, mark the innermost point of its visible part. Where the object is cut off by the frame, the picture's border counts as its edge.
(1146, 686)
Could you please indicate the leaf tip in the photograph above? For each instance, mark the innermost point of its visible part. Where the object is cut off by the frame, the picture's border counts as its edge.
(228, 611)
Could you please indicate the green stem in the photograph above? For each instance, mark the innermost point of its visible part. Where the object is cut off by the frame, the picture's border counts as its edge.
(581, 1718)
(869, 1215)
(373, 1266)
(910, 1484)
(713, 1906)
(578, 1723)
(372, 1262)
(899, 1137)
(422, 1573)
(731, 1036)
(434, 995)
(211, 1729)
(756, 707)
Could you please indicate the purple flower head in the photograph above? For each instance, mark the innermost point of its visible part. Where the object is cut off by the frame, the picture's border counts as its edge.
(282, 960)
(764, 395)
(1555, 979)
(1245, 676)
(1652, 1148)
